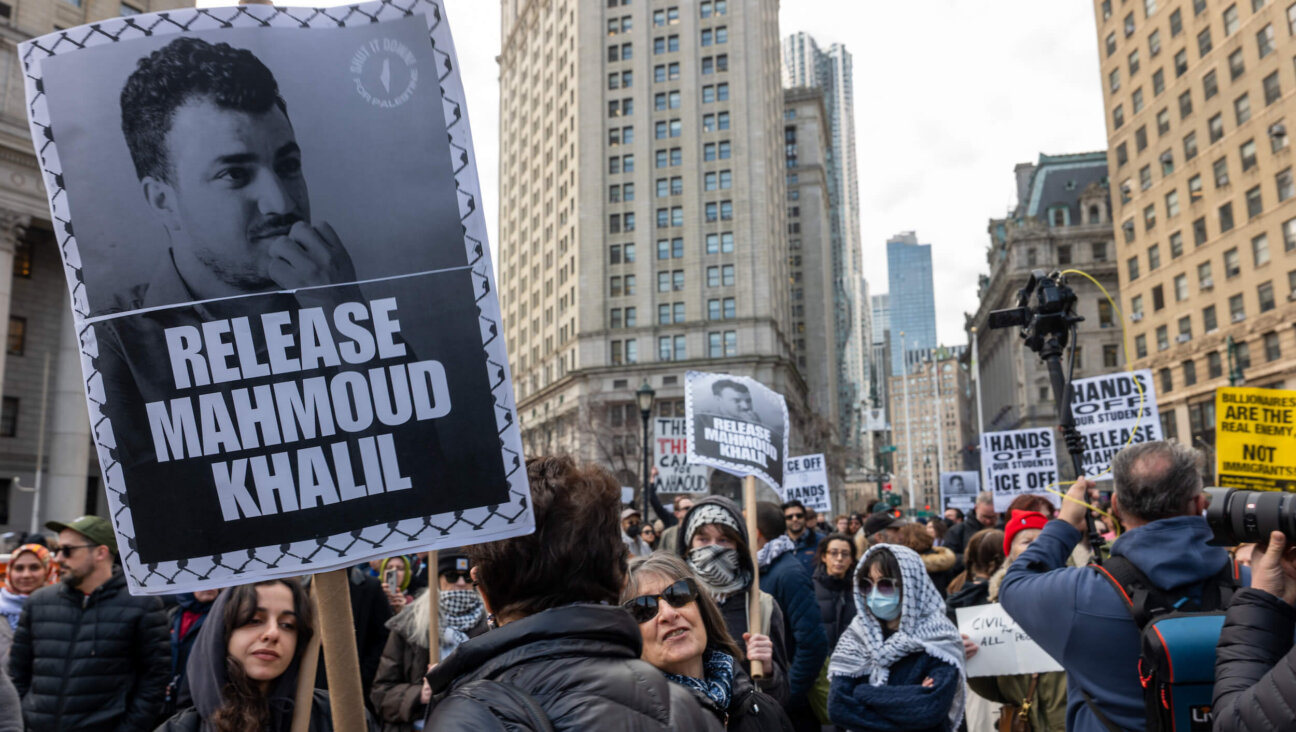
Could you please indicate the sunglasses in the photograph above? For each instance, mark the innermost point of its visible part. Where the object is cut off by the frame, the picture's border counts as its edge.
(886, 586)
(453, 576)
(790, 516)
(644, 608)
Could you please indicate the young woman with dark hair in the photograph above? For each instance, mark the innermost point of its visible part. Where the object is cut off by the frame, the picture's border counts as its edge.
(834, 565)
(244, 665)
(899, 666)
(564, 654)
(685, 637)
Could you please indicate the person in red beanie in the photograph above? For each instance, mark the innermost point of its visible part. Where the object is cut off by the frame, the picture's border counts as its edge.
(1021, 530)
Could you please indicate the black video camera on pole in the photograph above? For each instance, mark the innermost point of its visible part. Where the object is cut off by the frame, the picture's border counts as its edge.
(1047, 327)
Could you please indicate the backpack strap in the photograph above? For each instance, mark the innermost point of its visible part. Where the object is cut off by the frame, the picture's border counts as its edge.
(1142, 598)
(1102, 718)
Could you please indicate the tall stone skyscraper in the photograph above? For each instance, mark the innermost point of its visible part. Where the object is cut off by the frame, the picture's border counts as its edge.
(912, 299)
(642, 214)
(1200, 111)
(806, 65)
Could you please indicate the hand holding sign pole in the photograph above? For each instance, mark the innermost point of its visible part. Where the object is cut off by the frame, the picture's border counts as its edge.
(740, 426)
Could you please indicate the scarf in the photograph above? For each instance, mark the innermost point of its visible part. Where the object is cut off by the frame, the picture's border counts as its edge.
(11, 605)
(718, 668)
(773, 550)
(710, 513)
(460, 611)
(924, 628)
(718, 569)
(42, 555)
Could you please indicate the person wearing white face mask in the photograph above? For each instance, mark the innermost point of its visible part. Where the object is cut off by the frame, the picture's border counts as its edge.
(899, 665)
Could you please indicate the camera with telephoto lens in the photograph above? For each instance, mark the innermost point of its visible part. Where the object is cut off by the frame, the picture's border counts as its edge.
(1238, 516)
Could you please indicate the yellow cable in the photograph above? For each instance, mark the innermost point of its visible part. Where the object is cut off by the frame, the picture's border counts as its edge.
(1120, 318)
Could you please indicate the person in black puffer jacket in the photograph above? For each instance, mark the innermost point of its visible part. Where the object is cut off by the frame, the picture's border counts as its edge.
(1255, 661)
(564, 655)
(834, 562)
(87, 654)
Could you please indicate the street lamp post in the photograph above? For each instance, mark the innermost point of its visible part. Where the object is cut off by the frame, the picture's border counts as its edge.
(645, 396)
(904, 362)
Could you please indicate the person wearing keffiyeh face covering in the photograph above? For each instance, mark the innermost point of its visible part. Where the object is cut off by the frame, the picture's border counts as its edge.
(714, 544)
(31, 566)
(899, 665)
(398, 686)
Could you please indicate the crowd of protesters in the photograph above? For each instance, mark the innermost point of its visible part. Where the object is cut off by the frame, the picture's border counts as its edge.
(600, 620)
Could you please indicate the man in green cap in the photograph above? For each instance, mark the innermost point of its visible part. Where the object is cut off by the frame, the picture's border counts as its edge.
(75, 639)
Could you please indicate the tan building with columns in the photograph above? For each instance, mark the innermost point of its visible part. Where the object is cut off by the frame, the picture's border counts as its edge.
(1200, 97)
(932, 425)
(40, 369)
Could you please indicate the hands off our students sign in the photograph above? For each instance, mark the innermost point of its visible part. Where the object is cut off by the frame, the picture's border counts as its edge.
(280, 282)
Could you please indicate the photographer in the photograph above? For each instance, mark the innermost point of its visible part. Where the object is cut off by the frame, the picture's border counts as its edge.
(1255, 663)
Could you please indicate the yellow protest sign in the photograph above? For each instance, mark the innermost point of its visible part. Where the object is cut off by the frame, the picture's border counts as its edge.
(1255, 438)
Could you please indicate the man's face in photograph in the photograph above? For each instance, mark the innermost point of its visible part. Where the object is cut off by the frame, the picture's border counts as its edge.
(737, 404)
(956, 483)
(237, 188)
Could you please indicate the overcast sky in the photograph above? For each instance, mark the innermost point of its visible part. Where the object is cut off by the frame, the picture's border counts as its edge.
(949, 96)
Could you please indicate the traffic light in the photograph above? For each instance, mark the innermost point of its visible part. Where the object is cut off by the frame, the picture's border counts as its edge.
(927, 507)
(886, 486)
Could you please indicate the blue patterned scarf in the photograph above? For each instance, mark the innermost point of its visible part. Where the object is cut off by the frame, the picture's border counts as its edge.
(718, 667)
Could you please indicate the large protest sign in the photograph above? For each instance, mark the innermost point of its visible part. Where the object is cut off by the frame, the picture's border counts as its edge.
(280, 282)
(675, 474)
(736, 424)
(1107, 416)
(959, 489)
(1004, 648)
(1018, 462)
(805, 479)
(1254, 438)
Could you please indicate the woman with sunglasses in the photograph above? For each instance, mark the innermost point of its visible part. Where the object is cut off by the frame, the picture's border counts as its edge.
(714, 545)
(563, 655)
(899, 665)
(685, 637)
(243, 669)
(834, 561)
(648, 533)
(400, 693)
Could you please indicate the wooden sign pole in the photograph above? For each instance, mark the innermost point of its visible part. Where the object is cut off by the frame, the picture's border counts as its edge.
(754, 611)
(303, 700)
(434, 607)
(337, 633)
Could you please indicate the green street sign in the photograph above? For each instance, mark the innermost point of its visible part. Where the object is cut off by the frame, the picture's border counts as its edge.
(893, 499)
(888, 448)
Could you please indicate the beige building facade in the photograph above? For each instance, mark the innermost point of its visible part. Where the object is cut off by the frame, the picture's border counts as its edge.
(643, 230)
(932, 424)
(1200, 97)
(44, 409)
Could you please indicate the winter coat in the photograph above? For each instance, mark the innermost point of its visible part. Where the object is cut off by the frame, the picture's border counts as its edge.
(206, 676)
(806, 547)
(399, 682)
(734, 609)
(939, 562)
(1078, 617)
(791, 586)
(1255, 664)
(579, 663)
(957, 537)
(973, 592)
(10, 707)
(749, 710)
(177, 690)
(90, 662)
(836, 602)
(902, 704)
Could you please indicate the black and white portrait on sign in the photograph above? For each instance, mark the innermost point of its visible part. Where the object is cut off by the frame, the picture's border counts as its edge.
(286, 310)
(959, 489)
(736, 424)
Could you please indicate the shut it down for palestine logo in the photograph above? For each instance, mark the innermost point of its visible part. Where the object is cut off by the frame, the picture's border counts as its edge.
(385, 72)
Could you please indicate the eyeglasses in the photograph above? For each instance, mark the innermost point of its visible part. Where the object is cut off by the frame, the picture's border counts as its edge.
(644, 608)
(790, 516)
(839, 553)
(886, 586)
(67, 549)
(453, 577)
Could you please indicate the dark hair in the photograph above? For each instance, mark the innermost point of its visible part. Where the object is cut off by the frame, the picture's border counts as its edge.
(672, 568)
(822, 549)
(575, 553)
(886, 561)
(939, 524)
(794, 503)
(1156, 480)
(243, 706)
(769, 520)
(722, 384)
(958, 512)
(1031, 502)
(181, 71)
(984, 555)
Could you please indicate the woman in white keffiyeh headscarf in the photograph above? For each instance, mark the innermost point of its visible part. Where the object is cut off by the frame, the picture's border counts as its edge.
(899, 665)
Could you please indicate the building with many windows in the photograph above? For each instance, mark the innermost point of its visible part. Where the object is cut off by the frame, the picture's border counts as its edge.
(1199, 104)
(1062, 221)
(643, 226)
(912, 298)
(931, 423)
(44, 425)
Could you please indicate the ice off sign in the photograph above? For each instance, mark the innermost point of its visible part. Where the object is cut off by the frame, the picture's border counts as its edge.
(806, 480)
(1019, 462)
